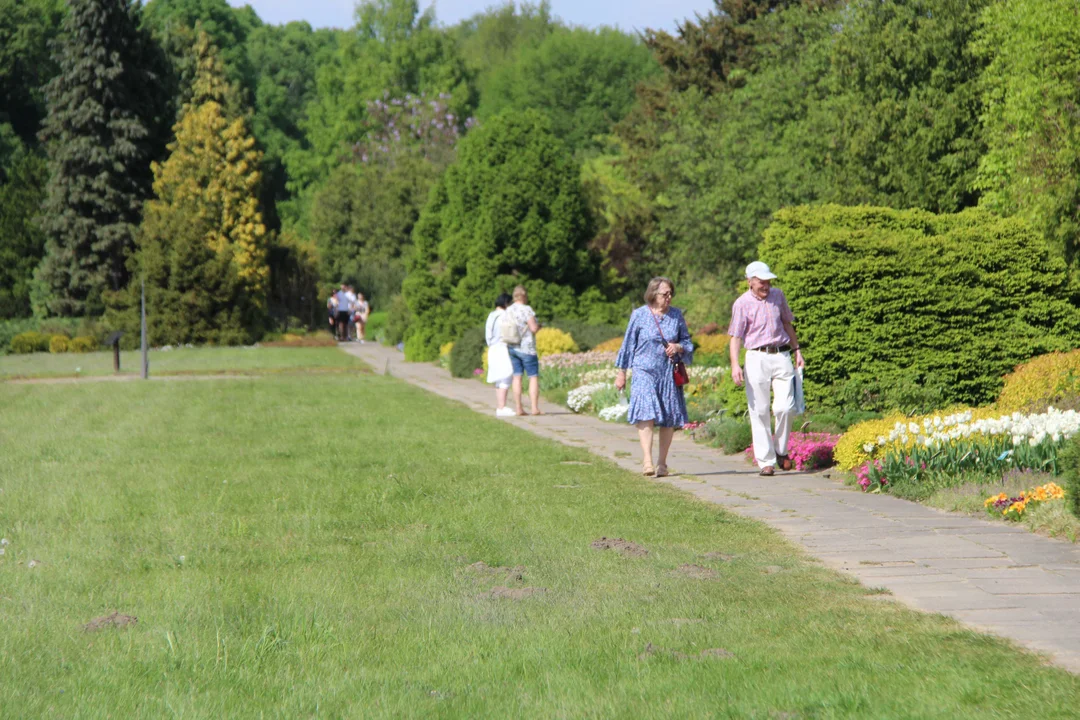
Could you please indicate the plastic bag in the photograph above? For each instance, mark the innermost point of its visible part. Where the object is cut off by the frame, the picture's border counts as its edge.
(800, 401)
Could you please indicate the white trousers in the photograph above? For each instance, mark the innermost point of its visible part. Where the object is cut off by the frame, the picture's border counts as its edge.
(765, 372)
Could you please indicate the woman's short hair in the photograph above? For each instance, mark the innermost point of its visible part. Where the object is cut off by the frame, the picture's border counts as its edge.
(503, 301)
(520, 293)
(654, 287)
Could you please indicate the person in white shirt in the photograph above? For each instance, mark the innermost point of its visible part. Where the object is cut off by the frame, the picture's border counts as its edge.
(523, 355)
(352, 309)
(500, 371)
(341, 323)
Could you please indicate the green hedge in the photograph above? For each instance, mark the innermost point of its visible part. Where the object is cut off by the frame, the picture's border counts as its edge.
(468, 353)
(1068, 464)
(933, 309)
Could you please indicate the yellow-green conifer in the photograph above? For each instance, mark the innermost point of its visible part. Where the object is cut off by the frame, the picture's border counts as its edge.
(203, 244)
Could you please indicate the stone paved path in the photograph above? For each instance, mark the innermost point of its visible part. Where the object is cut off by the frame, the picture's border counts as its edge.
(990, 575)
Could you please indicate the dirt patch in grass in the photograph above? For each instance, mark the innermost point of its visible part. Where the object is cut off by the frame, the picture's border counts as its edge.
(698, 572)
(771, 569)
(510, 573)
(627, 548)
(112, 620)
(505, 593)
(711, 653)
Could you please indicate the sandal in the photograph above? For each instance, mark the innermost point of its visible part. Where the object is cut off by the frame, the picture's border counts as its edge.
(783, 462)
(661, 470)
(648, 470)
(767, 471)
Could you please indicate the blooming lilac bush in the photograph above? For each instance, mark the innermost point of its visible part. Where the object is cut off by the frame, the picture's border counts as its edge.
(416, 123)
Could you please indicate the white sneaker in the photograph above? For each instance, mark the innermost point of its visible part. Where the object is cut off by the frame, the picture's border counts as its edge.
(505, 412)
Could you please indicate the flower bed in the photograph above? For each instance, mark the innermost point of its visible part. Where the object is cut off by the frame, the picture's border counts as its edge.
(959, 442)
(1012, 508)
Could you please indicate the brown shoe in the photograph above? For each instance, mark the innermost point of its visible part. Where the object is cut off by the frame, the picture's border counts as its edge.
(767, 471)
(783, 462)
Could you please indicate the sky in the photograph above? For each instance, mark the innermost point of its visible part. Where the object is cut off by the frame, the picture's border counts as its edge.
(629, 15)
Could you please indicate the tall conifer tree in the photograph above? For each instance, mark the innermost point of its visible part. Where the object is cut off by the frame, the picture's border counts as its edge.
(101, 133)
(203, 244)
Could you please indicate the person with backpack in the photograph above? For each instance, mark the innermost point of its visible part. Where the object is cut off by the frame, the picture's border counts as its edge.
(518, 328)
(500, 371)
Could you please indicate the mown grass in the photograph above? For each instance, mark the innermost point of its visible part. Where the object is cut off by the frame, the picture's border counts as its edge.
(300, 547)
(178, 361)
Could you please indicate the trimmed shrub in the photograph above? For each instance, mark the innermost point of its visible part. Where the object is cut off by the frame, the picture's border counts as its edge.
(1068, 463)
(587, 336)
(552, 341)
(29, 342)
(612, 345)
(949, 302)
(1046, 380)
(376, 323)
(58, 344)
(83, 344)
(711, 344)
(467, 353)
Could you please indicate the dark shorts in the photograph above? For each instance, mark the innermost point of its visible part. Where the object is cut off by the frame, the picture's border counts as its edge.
(524, 363)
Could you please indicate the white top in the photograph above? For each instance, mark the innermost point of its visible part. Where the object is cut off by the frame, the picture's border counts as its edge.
(521, 314)
(491, 327)
(342, 301)
(360, 307)
(352, 299)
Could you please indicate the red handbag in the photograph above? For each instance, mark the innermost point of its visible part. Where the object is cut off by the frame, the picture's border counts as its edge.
(678, 369)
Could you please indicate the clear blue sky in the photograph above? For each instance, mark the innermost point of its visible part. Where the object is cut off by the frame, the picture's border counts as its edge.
(626, 14)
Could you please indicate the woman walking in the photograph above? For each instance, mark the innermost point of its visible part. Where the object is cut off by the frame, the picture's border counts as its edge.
(500, 371)
(523, 355)
(656, 339)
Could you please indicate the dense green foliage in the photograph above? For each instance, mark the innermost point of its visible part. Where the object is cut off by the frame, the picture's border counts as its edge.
(1032, 164)
(583, 81)
(106, 114)
(1068, 463)
(467, 353)
(892, 299)
(587, 335)
(510, 210)
(22, 242)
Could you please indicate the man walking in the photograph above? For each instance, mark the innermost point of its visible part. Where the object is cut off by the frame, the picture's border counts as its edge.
(343, 313)
(762, 321)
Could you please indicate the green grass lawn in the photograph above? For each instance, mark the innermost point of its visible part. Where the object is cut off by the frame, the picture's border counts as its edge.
(178, 361)
(300, 546)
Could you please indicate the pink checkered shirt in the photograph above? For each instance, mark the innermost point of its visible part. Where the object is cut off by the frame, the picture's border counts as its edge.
(761, 322)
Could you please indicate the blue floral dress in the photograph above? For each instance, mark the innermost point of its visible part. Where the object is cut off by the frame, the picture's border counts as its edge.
(653, 393)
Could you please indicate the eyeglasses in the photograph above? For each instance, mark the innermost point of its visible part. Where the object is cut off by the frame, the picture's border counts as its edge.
(667, 294)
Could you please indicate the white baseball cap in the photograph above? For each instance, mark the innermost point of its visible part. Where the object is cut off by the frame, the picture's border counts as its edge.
(759, 270)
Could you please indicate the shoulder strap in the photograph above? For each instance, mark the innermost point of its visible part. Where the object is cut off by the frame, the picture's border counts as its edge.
(657, 321)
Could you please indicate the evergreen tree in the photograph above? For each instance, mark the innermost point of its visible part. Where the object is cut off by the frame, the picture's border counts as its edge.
(21, 239)
(202, 248)
(510, 210)
(101, 133)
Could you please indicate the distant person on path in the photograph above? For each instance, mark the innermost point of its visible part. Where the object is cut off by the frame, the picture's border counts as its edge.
(500, 370)
(656, 338)
(762, 321)
(351, 293)
(523, 353)
(341, 319)
(361, 310)
(331, 310)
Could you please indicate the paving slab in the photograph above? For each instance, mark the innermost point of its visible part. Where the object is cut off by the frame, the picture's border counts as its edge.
(994, 577)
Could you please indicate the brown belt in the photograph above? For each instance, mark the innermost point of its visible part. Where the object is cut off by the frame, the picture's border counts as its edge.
(772, 349)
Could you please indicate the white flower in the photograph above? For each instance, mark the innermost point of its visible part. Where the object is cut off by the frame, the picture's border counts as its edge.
(913, 428)
(613, 413)
(881, 440)
(868, 448)
(580, 397)
(3, 542)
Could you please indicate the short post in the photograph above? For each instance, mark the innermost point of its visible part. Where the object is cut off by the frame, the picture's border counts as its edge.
(114, 340)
